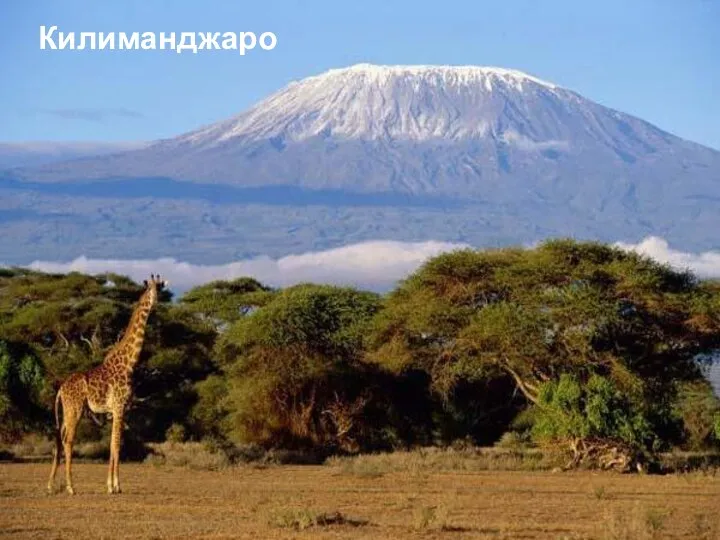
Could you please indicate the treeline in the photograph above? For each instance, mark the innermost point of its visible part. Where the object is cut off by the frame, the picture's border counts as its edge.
(574, 345)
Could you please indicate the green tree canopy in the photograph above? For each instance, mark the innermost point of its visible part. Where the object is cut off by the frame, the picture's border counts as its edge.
(225, 302)
(69, 321)
(22, 385)
(294, 369)
(562, 307)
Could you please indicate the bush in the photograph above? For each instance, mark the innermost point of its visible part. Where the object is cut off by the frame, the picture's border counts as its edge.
(698, 410)
(592, 414)
(191, 455)
(176, 433)
(22, 384)
(295, 376)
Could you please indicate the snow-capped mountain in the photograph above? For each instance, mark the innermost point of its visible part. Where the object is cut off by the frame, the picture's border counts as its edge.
(474, 155)
(472, 132)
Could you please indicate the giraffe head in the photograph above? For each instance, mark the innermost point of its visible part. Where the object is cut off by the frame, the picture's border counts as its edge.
(156, 282)
(153, 286)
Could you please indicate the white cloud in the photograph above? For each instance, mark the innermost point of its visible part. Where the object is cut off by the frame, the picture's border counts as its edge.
(704, 265)
(375, 265)
(525, 143)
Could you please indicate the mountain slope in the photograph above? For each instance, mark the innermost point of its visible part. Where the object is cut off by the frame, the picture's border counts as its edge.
(471, 132)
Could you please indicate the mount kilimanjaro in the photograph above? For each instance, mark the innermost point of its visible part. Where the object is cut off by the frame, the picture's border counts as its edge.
(472, 154)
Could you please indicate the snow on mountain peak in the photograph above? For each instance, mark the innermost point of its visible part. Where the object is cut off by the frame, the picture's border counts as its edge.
(446, 74)
(367, 101)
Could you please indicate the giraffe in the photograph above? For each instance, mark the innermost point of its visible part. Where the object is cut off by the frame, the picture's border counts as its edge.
(104, 389)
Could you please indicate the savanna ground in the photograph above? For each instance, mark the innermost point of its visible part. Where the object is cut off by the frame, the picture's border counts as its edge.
(433, 495)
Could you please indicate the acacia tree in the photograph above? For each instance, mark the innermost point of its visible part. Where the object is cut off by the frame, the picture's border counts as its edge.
(69, 321)
(224, 302)
(293, 370)
(535, 314)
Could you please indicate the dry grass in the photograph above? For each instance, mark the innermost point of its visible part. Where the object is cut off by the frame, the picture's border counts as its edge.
(192, 455)
(434, 459)
(32, 446)
(445, 500)
(305, 518)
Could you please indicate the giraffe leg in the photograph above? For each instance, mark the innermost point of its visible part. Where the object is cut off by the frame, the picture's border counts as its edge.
(70, 421)
(57, 448)
(55, 460)
(115, 443)
(111, 470)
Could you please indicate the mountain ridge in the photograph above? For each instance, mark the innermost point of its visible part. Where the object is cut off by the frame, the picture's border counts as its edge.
(32, 153)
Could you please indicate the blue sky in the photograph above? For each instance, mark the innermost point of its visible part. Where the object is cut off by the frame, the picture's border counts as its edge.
(656, 59)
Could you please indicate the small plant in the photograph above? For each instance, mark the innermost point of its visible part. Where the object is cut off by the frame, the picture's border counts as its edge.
(703, 528)
(299, 519)
(637, 524)
(435, 517)
(514, 440)
(601, 493)
(304, 518)
(176, 433)
(654, 521)
(424, 517)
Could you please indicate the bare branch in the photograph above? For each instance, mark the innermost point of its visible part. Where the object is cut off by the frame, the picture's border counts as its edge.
(62, 338)
(529, 390)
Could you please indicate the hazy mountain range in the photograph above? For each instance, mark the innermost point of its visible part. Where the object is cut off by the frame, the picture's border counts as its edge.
(34, 153)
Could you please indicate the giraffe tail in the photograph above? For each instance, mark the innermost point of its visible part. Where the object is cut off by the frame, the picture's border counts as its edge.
(58, 429)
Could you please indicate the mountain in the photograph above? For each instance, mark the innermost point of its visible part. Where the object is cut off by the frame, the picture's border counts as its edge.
(27, 154)
(457, 131)
(479, 155)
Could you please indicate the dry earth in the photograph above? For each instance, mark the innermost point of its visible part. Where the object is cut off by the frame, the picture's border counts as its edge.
(161, 501)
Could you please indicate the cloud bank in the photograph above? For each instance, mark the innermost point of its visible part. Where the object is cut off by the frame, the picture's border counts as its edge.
(704, 265)
(375, 265)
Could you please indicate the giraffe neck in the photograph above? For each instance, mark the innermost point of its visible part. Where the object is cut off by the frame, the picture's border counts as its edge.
(132, 341)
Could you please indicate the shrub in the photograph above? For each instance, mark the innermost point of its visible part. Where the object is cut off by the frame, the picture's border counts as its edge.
(698, 410)
(592, 414)
(176, 433)
(22, 384)
(294, 372)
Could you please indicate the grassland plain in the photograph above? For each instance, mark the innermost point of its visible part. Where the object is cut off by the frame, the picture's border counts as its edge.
(361, 498)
